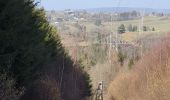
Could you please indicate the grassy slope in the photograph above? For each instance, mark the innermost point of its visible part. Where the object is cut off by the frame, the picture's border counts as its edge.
(161, 25)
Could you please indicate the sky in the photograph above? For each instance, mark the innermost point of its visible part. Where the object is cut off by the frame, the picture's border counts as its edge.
(85, 4)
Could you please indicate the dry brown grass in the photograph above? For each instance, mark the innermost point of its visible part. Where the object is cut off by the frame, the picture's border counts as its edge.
(148, 80)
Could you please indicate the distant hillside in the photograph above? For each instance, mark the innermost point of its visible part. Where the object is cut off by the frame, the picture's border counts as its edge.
(127, 9)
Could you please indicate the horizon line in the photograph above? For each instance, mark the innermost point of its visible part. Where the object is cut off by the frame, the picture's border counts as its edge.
(105, 7)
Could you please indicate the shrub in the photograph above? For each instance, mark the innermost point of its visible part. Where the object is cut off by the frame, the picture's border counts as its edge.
(135, 28)
(130, 28)
(30, 49)
(153, 29)
(130, 63)
(121, 57)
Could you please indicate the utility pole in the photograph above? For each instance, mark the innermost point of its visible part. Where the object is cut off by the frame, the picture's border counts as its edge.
(110, 46)
(117, 36)
(110, 39)
(141, 24)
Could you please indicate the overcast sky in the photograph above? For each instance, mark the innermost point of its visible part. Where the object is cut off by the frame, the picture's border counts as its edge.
(84, 4)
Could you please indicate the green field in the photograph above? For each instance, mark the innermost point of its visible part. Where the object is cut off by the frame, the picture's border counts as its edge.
(161, 25)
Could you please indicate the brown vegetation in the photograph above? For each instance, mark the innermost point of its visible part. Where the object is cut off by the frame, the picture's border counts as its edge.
(148, 80)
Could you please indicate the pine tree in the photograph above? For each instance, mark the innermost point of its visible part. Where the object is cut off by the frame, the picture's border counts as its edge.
(31, 49)
(135, 28)
(25, 36)
(121, 29)
(130, 28)
(153, 29)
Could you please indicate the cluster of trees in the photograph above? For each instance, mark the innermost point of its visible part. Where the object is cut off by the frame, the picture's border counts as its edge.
(128, 16)
(33, 62)
(157, 14)
(105, 17)
(132, 28)
(98, 22)
(82, 31)
(147, 28)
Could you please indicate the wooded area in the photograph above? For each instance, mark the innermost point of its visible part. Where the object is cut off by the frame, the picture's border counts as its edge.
(33, 62)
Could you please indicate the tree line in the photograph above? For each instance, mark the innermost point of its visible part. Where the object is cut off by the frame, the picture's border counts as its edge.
(133, 28)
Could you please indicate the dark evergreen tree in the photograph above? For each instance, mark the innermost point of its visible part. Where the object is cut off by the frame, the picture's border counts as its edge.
(153, 29)
(121, 29)
(31, 49)
(130, 28)
(145, 28)
(135, 28)
(98, 22)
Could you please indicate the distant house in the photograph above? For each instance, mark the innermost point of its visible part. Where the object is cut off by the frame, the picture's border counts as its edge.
(56, 23)
(69, 11)
(75, 18)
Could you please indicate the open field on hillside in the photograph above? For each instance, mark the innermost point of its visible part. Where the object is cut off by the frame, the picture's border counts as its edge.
(161, 25)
